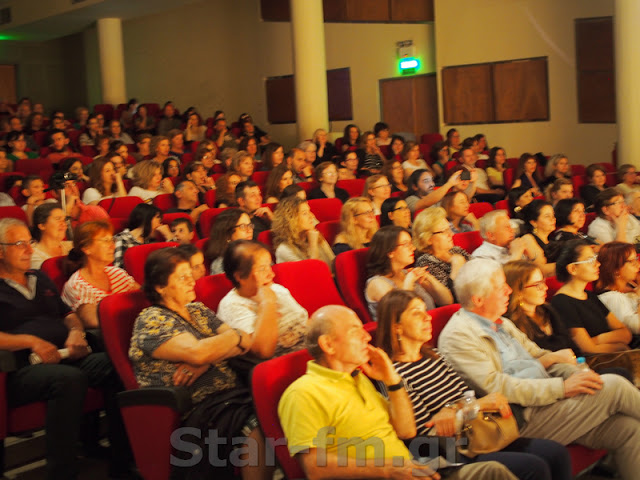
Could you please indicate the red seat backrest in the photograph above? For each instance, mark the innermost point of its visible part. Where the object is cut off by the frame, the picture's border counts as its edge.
(502, 205)
(508, 178)
(167, 218)
(88, 150)
(210, 198)
(353, 187)
(40, 137)
(260, 177)
(13, 212)
(211, 289)
(468, 240)
(118, 224)
(165, 201)
(54, 269)
(578, 182)
(481, 208)
(578, 169)
(266, 237)
(553, 285)
(3, 179)
(119, 207)
(326, 209)
(268, 382)
(207, 218)
(439, 318)
(351, 277)
(590, 217)
(431, 138)
(135, 258)
(329, 230)
(35, 166)
(317, 291)
(117, 313)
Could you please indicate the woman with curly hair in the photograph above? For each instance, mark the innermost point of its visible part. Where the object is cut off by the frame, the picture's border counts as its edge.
(295, 234)
(148, 181)
(279, 179)
(242, 164)
(357, 225)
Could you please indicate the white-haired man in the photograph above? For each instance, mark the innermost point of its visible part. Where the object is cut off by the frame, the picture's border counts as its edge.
(336, 423)
(560, 402)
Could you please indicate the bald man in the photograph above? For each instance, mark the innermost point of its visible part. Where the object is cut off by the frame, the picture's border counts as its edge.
(338, 425)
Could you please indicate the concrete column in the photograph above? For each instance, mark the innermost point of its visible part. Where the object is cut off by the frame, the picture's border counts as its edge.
(111, 60)
(310, 66)
(626, 40)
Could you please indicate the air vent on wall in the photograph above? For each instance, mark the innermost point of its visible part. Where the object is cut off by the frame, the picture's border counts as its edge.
(5, 15)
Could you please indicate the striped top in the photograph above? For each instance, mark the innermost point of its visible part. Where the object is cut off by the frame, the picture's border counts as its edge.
(431, 384)
(78, 291)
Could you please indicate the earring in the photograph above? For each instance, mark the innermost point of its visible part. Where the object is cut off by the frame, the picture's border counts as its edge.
(521, 303)
(398, 337)
(535, 231)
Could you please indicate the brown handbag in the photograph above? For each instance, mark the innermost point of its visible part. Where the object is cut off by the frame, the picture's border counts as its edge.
(489, 432)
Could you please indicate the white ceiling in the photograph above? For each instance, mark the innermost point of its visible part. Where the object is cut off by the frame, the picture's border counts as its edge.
(79, 19)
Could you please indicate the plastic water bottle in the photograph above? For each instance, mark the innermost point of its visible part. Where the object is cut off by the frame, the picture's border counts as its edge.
(469, 410)
(582, 364)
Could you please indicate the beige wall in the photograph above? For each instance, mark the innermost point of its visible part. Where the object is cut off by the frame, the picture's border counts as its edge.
(509, 29)
(216, 54)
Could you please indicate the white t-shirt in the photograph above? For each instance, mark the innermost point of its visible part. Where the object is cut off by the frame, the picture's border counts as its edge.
(624, 306)
(146, 195)
(240, 312)
(92, 194)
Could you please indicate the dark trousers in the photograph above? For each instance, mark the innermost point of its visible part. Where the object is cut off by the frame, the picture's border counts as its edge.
(64, 387)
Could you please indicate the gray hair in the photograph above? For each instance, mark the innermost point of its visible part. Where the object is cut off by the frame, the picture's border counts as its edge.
(306, 144)
(475, 278)
(182, 185)
(489, 220)
(7, 224)
(629, 197)
(322, 322)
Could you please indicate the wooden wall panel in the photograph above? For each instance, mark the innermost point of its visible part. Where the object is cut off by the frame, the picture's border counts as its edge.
(426, 114)
(8, 83)
(412, 11)
(335, 10)
(281, 99)
(275, 10)
(339, 93)
(520, 90)
(595, 70)
(410, 104)
(467, 94)
(368, 11)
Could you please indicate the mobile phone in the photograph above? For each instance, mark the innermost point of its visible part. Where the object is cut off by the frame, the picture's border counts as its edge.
(465, 175)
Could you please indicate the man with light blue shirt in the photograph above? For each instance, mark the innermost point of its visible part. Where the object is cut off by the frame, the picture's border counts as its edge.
(560, 402)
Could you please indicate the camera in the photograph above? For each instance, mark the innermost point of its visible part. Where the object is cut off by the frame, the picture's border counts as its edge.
(58, 179)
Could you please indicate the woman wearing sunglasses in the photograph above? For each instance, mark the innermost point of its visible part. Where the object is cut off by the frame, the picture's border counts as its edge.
(593, 328)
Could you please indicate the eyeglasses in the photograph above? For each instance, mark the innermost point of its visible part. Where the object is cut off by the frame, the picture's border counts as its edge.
(408, 243)
(540, 286)
(23, 244)
(107, 239)
(614, 203)
(448, 231)
(246, 227)
(426, 180)
(588, 261)
(330, 174)
(386, 185)
(188, 278)
(367, 213)
(404, 207)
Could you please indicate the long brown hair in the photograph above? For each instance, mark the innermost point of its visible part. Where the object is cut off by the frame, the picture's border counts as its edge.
(612, 257)
(390, 310)
(518, 274)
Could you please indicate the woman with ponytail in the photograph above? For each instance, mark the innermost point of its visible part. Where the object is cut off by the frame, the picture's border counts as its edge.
(94, 278)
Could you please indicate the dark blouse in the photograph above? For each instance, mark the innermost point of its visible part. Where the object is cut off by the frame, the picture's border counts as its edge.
(439, 268)
(526, 183)
(327, 155)
(559, 338)
(559, 238)
(316, 193)
(590, 314)
(339, 248)
(589, 194)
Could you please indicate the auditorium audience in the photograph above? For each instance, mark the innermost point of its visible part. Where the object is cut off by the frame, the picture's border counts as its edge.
(421, 192)
(377, 189)
(357, 225)
(557, 167)
(454, 141)
(348, 169)
(597, 176)
(325, 151)
(613, 221)
(176, 143)
(627, 176)
(232, 224)
(169, 120)
(179, 342)
(272, 156)
(496, 166)
(527, 174)
(186, 195)
(350, 138)
(295, 236)
(194, 131)
(148, 182)
(18, 147)
(104, 181)
(394, 172)
(412, 160)
(560, 188)
(439, 157)
(397, 147)
(159, 148)
(257, 305)
(395, 211)
(94, 278)
(115, 130)
(456, 205)
(226, 190)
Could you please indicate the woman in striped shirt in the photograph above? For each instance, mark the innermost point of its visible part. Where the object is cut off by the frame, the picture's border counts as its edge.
(436, 390)
(94, 277)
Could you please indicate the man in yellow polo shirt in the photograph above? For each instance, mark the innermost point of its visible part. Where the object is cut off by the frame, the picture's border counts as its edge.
(335, 421)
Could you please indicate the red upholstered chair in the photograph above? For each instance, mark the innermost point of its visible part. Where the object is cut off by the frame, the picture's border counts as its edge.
(351, 278)
(3, 179)
(329, 230)
(40, 137)
(268, 382)
(609, 167)
(612, 180)
(553, 285)
(468, 240)
(150, 414)
(260, 177)
(88, 150)
(353, 187)
(13, 212)
(508, 178)
(165, 201)
(439, 318)
(210, 198)
(35, 166)
(186, 159)
(207, 218)
(431, 138)
(167, 218)
(577, 169)
(266, 237)
(119, 207)
(326, 209)
(54, 269)
(308, 186)
(316, 291)
(590, 217)
(578, 181)
(502, 205)
(211, 289)
(481, 208)
(512, 162)
(135, 258)
(118, 224)
(106, 109)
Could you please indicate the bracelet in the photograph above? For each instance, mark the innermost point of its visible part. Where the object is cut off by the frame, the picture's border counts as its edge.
(239, 332)
(395, 386)
(453, 406)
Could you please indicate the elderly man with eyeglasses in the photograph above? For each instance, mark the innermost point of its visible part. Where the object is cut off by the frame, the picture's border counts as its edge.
(557, 400)
(37, 326)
